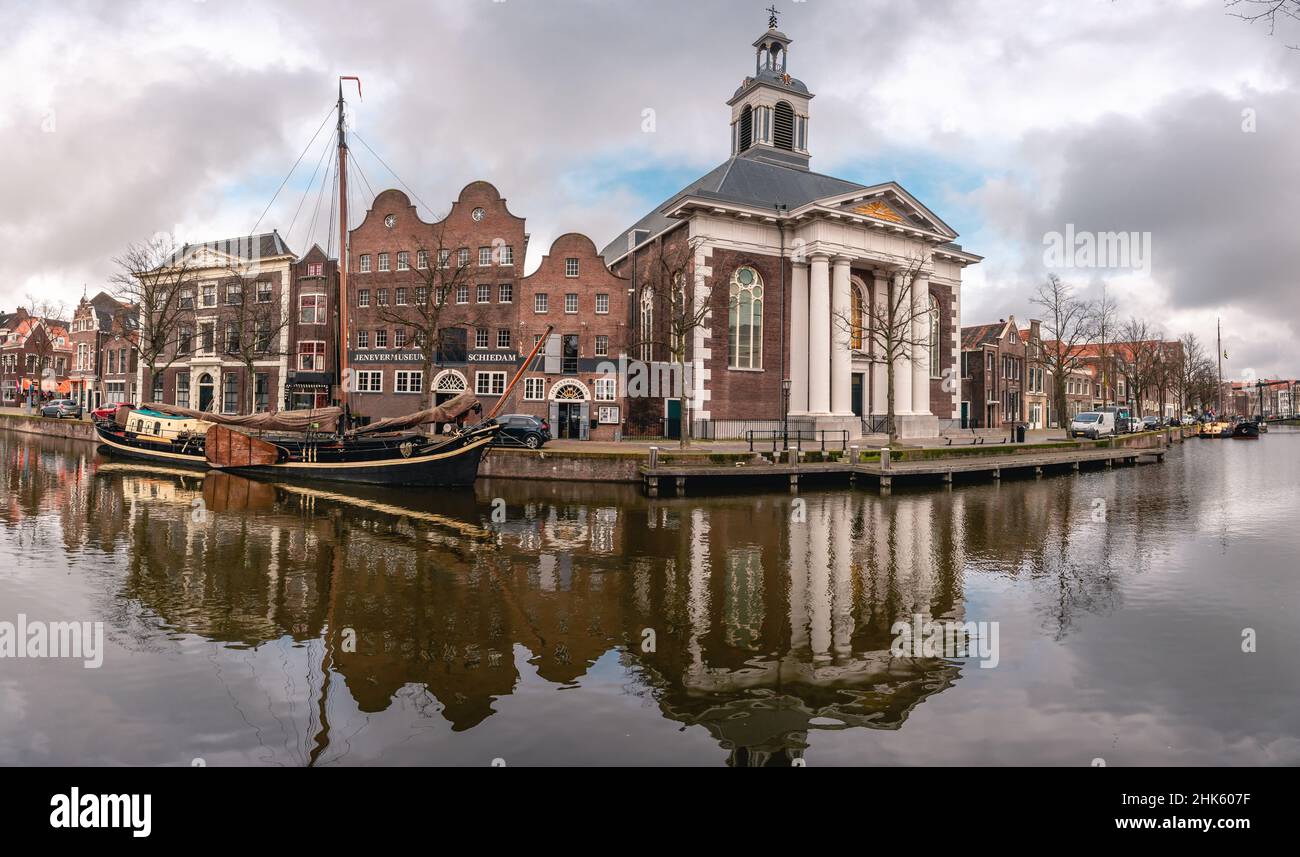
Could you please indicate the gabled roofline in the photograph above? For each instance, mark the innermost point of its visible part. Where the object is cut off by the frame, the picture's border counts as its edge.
(879, 190)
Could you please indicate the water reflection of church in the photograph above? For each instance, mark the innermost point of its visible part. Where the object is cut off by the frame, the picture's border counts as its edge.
(765, 629)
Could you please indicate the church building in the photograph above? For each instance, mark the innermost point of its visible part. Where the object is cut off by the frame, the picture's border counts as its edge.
(795, 268)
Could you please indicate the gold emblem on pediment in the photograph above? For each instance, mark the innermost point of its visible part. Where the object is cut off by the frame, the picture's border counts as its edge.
(880, 211)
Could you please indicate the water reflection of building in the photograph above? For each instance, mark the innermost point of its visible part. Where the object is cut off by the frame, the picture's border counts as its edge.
(767, 626)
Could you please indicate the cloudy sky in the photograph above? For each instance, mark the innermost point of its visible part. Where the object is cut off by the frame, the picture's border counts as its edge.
(1010, 118)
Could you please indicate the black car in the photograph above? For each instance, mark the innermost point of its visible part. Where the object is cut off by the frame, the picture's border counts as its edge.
(1150, 422)
(523, 430)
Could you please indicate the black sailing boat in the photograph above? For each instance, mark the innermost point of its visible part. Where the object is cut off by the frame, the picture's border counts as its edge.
(320, 443)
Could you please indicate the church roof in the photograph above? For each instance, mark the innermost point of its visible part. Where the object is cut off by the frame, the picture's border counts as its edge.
(745, 180)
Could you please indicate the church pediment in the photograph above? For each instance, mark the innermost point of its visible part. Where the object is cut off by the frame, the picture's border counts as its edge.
(880, 210)
(889, 203)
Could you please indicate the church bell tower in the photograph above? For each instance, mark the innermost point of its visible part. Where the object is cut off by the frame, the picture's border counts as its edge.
(769, 112)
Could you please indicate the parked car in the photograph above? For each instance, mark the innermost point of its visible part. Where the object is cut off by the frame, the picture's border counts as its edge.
(1174, 422)
(1093, 425)
(523, 430)
(59, 408)
(1151, 422)
(106, 412)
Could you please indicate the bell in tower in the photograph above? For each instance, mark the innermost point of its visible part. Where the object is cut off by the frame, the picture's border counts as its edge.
(769, 112)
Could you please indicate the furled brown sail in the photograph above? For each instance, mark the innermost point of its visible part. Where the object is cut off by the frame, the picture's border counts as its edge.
(314, 419)
(448, 411)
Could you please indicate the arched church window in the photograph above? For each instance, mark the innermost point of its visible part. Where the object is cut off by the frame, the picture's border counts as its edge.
(746, 128)
(857, 321)
(934, 338)
(745, 320)
(784, 126)
(647, 325)
(677, 320)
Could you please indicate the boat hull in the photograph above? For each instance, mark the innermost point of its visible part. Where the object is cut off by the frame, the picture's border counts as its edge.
(453, 463)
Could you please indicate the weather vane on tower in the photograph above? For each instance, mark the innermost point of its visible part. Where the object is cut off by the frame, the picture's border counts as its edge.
(771, 20)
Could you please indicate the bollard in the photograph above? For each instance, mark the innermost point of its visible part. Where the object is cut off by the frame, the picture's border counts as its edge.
(853, 455)
(654, 457)
(884, 458)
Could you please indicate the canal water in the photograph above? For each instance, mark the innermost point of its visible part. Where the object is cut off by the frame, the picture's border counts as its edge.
(248, 623)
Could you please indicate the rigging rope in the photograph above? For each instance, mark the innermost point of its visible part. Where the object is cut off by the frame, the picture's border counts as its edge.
(291, 169)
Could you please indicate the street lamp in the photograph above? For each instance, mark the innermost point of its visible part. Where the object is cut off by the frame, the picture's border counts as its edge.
(785, 412)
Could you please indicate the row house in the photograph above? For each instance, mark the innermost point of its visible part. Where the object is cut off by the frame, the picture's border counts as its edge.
(237, 301)
(450, 286)
(95, 334)
(457, 285)
(35, 357)
(992, 374)
(574, 383)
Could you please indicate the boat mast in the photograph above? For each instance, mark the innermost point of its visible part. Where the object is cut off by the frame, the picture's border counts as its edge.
(341, 333)
(1218, 344)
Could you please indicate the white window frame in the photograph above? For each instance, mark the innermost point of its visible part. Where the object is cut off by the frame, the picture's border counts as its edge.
(534, 389)
(370, 380)
(483, 293)
(541, 303)
(481, 337)
(489, 383)
(571, 303)
(505, 293)
(403, 260)
(605, 389)
(383, 262)
(571, 267)
(403, 378)
(484, 257)
(365, 263)
(602, 304)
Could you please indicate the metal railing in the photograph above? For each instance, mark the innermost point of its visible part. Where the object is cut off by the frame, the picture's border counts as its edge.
(795, 438)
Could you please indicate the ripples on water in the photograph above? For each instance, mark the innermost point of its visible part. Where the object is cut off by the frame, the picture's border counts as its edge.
(255, 623)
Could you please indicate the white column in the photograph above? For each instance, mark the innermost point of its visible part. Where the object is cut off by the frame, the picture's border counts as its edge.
(819, 337)
(902, 365)
(799, 338)
(921, 353)
(841, 361)
(879, 381)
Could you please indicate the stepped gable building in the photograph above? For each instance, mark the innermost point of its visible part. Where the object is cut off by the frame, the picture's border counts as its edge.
(791, 261)
(94, 322)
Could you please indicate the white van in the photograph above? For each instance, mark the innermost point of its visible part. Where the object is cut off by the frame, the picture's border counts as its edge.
(1093, 425)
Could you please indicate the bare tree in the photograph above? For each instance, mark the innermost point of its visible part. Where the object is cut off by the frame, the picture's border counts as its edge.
(1196, 375)
(46, 314)
(430, 311)
(1067, 324)
(1266, 12)
(897, 328)
(672, 303)
(252, 321)
(1105, 327)
(150, 279)
(1137, 358)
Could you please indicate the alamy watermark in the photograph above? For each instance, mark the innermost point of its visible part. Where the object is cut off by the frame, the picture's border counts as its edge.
(921, 638)
(38, 639)
(1074, 249)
